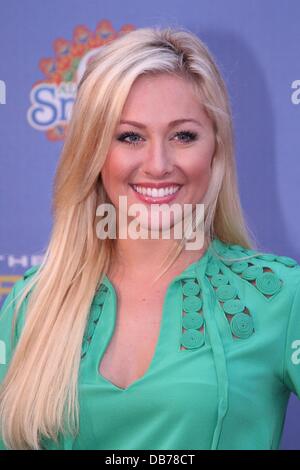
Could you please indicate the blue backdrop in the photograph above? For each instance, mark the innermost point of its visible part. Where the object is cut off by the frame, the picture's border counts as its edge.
(256, 45)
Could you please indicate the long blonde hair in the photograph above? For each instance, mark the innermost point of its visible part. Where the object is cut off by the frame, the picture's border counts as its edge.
(39, 396)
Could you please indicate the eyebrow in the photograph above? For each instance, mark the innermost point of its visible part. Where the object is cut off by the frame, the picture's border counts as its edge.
(171, 124)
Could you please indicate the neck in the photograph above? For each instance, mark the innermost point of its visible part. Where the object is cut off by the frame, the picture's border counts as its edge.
(141, 260)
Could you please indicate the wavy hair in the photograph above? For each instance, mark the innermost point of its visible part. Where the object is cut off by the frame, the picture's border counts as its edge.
(39, 395)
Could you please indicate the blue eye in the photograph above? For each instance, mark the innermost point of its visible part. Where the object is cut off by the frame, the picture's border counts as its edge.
(130, 134)
(189, 134)
(134, 138)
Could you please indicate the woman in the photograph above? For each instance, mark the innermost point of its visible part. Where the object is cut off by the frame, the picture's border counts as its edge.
(113, 349)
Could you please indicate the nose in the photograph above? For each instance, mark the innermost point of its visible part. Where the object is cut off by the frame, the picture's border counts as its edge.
(158, 160)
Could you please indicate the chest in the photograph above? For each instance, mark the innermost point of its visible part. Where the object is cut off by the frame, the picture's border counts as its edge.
(137, 328)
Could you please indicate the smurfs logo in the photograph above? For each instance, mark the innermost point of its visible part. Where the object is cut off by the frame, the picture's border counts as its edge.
(52, 98)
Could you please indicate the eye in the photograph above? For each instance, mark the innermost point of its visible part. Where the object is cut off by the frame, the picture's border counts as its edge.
(133, 138)
(188, 136)
(185, 137)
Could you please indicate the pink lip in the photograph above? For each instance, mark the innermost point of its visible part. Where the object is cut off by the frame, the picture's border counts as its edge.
(155, 200)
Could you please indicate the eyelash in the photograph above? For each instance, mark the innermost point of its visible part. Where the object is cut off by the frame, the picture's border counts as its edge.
(192, 136)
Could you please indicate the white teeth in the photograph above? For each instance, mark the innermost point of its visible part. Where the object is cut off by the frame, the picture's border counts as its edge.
(154, 192)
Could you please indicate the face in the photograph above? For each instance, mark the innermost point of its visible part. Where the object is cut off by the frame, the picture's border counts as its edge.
(162, 149)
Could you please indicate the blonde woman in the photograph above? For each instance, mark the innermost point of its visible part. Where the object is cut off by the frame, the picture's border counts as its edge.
(150, 343)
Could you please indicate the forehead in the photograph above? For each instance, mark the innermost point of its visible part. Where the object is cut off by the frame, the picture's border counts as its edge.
(162, 96)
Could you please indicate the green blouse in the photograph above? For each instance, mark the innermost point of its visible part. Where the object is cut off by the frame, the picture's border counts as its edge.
(225, 363)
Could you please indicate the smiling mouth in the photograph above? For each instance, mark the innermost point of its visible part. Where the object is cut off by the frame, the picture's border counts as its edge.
(154, 195)
(157, 193)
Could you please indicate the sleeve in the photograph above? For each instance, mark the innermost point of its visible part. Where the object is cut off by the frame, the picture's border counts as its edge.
(292, 348)
(7, 341)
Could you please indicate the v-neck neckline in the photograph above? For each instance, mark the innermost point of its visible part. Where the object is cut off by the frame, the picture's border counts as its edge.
(97, 351)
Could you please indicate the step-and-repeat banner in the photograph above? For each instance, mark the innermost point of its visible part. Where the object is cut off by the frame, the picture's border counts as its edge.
(44, 48)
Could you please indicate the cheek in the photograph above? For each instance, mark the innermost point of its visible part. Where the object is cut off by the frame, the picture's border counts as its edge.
(200, 169)
(199, 174)
(115, 170)
(201, 157)
(116, 173)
